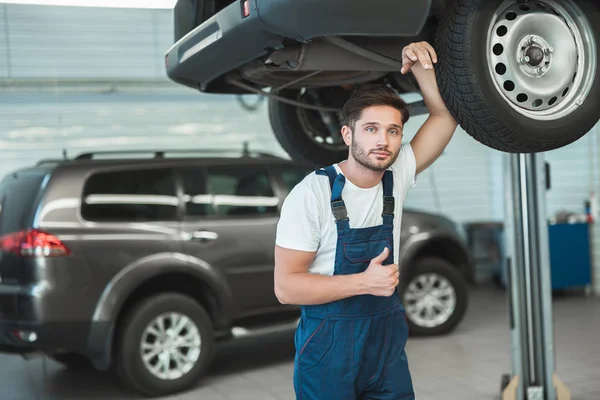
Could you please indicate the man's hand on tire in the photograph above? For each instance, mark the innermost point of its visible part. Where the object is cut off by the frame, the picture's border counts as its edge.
(418, 53)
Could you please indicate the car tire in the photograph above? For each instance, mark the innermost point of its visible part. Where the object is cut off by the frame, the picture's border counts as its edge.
(297, 129)
(483, 82)
(439, 272)
(129, 365)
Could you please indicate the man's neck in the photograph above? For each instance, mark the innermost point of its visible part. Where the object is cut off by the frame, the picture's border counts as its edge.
(359, 175)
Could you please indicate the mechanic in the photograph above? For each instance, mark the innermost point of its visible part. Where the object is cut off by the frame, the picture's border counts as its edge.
(334, 252)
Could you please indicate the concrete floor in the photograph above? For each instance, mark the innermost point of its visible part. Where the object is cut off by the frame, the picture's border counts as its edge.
(467, 364)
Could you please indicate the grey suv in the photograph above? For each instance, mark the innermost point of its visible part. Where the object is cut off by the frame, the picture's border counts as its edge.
(142, 264)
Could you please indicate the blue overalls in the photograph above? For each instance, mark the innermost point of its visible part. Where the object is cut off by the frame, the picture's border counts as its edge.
(354, 348)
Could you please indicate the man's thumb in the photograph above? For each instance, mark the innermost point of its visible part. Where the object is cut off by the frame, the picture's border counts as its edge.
(381, 257)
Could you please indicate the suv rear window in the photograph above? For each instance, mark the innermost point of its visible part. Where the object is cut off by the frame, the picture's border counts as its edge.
(141, 195)
(18, 192)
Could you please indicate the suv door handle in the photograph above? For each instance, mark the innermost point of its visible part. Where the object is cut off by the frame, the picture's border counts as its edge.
(204, 236)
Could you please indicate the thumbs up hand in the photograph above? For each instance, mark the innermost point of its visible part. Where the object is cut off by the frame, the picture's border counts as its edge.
(381, 280)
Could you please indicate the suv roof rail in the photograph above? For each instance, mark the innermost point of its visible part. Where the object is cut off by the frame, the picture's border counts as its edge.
(161, 153)
(49, 161)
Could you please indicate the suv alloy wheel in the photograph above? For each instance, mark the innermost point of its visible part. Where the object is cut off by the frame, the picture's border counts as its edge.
(165, 344)
(435, 296)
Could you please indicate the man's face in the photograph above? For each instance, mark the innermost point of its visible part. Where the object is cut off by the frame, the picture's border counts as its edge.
(377, 137)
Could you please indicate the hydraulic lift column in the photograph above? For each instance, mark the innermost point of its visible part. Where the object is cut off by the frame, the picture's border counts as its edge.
(528, 281)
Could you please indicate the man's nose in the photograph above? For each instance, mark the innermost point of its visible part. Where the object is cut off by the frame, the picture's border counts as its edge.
(382, 139)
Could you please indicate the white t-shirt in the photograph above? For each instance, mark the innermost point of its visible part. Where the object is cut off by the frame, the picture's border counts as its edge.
(307, 222)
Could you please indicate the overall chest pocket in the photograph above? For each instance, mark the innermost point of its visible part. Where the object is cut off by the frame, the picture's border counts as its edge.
(363, 251)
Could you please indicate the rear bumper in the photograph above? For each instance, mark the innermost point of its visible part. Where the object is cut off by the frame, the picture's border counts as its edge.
(229, 40)
(222, 43)
(22, 338)
(26, 325)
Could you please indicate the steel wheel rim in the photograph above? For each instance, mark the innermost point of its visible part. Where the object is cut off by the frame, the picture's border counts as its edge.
(429, 300)
(542, 57)
(170, 346)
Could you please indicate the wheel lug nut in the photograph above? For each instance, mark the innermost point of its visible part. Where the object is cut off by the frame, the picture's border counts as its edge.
(542, 70)
(549, 50)
(524, 60)
(531, 39)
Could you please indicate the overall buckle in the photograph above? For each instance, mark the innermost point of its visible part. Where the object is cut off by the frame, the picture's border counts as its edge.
(339, 210)
(388, 205)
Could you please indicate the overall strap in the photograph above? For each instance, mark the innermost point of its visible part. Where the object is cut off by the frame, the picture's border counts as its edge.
(388, 198)
(338, 207)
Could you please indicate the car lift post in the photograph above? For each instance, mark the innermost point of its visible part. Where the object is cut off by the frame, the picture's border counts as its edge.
(529, 285)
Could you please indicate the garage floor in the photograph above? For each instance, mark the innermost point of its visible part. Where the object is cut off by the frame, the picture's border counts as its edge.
(465, 365)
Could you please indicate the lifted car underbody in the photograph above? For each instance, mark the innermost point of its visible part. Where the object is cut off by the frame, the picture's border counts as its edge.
(519, 76)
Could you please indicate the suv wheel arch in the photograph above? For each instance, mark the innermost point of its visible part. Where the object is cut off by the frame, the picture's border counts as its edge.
(442, 245)
(197, 280)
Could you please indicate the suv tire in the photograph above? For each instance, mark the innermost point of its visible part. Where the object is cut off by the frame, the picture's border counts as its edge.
(294, 126)
(129, 364)
(436, 271)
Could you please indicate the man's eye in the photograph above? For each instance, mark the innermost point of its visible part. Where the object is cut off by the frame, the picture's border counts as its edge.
(370, 129)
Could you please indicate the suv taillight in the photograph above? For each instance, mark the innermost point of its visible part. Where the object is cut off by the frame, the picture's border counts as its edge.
(33, 242)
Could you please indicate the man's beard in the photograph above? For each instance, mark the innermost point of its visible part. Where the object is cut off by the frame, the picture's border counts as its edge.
(362, 157)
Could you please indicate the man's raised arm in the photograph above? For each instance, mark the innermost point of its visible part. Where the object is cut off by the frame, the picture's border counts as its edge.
(437, 131)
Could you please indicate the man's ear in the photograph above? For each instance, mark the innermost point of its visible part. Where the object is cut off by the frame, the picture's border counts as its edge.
(347, 134)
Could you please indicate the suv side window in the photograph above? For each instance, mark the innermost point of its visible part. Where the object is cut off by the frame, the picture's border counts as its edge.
(242, 190)
(198, 202)
(141, 195)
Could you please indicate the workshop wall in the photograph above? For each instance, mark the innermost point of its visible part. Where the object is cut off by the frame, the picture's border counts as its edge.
(4, 43)
(47, 43)
(574, 173)
(38, 124)
(460, 183)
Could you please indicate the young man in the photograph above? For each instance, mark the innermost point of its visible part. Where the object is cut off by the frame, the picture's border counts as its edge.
(336, 239)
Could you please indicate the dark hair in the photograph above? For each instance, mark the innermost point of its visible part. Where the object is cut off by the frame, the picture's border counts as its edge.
(368, 96)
